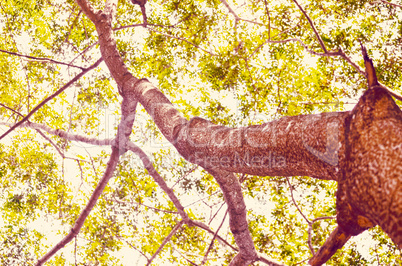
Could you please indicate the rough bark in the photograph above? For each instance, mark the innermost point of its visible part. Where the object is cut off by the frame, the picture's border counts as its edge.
(335, 241)
(370, 189)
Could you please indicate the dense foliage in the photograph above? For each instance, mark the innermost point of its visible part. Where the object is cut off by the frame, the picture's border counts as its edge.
(251, 63)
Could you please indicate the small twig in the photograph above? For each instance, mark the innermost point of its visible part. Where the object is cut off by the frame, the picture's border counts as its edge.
(158, 179)
(51, 142)
(216, 213)
(269, 19)
(216, 192)
(269, 41)
(166, 240)
(294, 201)
(268, 262)
(185, 175)
(133, 247)
(189, 261)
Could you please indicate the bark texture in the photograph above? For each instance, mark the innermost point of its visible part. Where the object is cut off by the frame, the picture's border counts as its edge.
(370, 188)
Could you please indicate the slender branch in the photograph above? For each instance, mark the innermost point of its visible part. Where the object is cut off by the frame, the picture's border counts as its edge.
(166, 240)
(68, 84)
(269, 19)
(133, 247)
(209, 230)
(111, 166)
(158, 179)
(331, 53)
(389, 3)
(305, 218)
(270, 41)
(65, 135)
(231, 11)
(189, 261)
(42, 59)
(204, 260)
(313, 27)
(268, 262)
(51, 142)
(322, 218)
(294, 201)
(84, 51)
(12, 110)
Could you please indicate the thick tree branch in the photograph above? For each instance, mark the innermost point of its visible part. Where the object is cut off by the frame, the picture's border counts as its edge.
(335, 241)
(233, 195)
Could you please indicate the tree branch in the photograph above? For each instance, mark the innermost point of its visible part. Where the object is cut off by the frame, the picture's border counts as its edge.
(42, 59)
(220, 239)
(231, 11)
(204, 260)
(335, 241)
(233, 195)
(158, 179)
(166, 240)
(313, 27)
(128, 108)
(389, 3)
(68, 84)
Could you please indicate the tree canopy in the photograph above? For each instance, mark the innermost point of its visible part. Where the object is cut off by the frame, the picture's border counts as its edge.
(137, 131)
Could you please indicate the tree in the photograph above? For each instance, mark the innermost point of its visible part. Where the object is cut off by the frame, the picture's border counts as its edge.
(292, 152)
